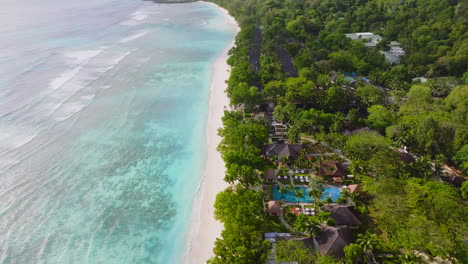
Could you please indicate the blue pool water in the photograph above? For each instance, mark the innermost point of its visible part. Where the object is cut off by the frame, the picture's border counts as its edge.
(332, 192)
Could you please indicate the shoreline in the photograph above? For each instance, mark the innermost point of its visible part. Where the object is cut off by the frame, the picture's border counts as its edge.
(204, 228)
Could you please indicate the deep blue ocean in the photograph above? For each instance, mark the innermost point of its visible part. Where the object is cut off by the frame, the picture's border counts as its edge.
(103, 106)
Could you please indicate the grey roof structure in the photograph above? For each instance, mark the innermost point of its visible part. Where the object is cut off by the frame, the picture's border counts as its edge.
(270, 175)
(333, 240)
(342, 215)
(283, 151)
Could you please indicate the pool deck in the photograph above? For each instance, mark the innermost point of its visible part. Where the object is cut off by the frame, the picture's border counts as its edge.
(286, 198)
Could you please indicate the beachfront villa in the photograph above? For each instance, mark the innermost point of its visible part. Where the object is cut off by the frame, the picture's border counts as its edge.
(283, 151)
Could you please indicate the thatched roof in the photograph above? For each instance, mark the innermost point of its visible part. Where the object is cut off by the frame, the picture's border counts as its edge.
(342, 215)
(333, 240)
(274, 207)
(270, 175)
(282, 151)
(332, 168)
(354, 188)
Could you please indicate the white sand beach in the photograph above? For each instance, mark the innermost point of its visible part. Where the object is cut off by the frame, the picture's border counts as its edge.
(204, 228)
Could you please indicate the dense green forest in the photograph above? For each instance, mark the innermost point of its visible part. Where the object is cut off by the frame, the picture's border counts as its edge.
(294, 54)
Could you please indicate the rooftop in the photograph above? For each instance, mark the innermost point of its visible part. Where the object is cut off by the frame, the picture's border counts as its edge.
(283, 150)
(270, 175)
(342, 215)
(372, 38)
(274, 207)
(333, 240)
(332, 168)
(354, 188)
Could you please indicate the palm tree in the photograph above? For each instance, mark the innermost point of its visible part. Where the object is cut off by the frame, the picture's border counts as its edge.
(368, 242)
(308, 225)
(282, 190)
(299, 194)
(293, 135)
(313, 227)
(316, 190)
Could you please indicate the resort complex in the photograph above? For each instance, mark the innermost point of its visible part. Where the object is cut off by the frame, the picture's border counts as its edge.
(346, 136)
(308, 184)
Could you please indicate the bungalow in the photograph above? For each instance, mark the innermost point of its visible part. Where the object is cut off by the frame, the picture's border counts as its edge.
(354, 188)
(333, 169)
(332, 240)
(274, 208)
(343, 215)
(283, 151)
(270, 175)
(279, 129)
(404, 155)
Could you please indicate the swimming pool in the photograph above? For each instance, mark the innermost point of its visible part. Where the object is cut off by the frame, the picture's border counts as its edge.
(332, 192)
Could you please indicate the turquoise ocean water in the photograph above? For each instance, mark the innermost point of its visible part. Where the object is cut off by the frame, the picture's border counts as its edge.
(103, 107)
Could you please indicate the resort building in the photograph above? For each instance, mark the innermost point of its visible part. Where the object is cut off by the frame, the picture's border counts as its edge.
(332, 240)
(270, 176)
(371, 40)
(283, 151)
(274, 208)
(332, 169)
(279, 129)
(404, 155)
(343, 215)
(354, 188)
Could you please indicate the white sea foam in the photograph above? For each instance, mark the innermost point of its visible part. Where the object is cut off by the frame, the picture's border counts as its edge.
(81, 56)
(66, 105)
(77, 59)
(136, 18)
(133, 37)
